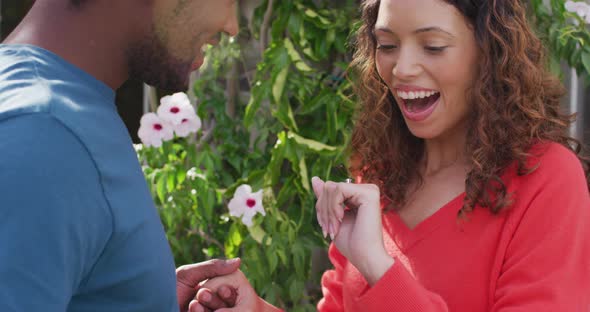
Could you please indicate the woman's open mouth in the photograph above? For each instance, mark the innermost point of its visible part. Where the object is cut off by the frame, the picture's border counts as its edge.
(418, 105)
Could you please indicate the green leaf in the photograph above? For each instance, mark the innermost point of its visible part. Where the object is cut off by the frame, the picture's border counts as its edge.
(303, 173)
(298, 258)
(272, 258)
(296, 57)
(251, 109)
(586, 61)
(170, 182)
(574, 58)
(282, 256)
(331, 36)
(258, 234)
(318, 101)
(295, 289)
(277, 157)
(284, 114)
(279, 84)
(161, 188)
(180, 175)
(332, 120)
(234, 236)
(311, 144)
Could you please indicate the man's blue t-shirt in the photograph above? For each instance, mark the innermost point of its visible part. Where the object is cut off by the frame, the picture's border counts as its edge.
(78, 228)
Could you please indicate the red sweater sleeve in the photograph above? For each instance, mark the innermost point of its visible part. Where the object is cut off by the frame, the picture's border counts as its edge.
(332, 283)
(396, 290)
(547, 261)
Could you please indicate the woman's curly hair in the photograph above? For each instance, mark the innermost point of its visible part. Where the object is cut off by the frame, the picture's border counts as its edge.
(515, 100)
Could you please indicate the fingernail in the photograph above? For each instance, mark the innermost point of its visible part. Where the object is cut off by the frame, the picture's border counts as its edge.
(232, 261)
(332, 231)
(324, 232)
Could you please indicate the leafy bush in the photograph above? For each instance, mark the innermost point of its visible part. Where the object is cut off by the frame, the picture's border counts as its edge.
(566, 34)
(271, 120)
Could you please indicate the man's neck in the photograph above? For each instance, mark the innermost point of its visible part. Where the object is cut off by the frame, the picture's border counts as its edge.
(84, 39)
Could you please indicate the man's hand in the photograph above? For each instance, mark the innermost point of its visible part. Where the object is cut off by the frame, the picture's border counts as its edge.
(236, 283)
(189, 277)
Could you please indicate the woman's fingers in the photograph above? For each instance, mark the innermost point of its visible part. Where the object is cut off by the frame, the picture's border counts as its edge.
(334, 205)
(195, 306)
(333, 199)
(210, 299)
(318, 189)
(329, 189)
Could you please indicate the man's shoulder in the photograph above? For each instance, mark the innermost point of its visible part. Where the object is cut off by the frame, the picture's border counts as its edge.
(21, 90)
(40, 142)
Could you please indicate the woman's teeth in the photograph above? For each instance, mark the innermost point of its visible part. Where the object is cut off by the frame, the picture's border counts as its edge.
(415, 94)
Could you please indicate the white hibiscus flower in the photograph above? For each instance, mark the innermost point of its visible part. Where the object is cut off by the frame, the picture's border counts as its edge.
(187, 126)
(153, 130)
(580, 8)
(246, 204)
(176, 108)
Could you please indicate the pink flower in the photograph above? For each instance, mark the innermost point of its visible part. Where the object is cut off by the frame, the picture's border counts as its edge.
(176, 108)
(246, 204)
(153, 130)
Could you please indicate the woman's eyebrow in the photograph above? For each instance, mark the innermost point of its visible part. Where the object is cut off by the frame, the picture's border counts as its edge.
(417, 31)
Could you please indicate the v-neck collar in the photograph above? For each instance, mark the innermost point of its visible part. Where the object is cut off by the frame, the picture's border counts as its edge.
(405, 238)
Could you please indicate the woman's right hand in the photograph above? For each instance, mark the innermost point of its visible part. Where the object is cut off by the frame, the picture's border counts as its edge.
(357, 230)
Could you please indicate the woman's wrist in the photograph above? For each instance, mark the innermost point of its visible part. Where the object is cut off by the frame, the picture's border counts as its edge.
(263, 306)
(375, 267)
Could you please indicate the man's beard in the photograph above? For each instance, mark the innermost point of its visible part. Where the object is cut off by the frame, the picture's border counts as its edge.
(149, 61)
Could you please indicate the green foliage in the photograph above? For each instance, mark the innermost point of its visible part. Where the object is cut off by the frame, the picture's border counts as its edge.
(566, 34)
(274, 130)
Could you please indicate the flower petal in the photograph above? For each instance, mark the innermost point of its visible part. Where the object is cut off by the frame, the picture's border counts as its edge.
(243, 191)
(175, 108)
(247, 220)
(190, 125)
(236, 207)
(149, 134)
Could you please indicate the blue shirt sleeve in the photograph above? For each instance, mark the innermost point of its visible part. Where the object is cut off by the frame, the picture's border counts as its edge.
(54, 218)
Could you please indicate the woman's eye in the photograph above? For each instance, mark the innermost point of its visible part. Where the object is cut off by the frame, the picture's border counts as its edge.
(434, 49)
(386, 47)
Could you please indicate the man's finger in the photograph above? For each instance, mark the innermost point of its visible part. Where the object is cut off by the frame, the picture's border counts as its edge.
(210, 299)
(192, 274)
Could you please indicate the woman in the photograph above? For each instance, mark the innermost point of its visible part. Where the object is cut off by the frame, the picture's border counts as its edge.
(469, 195)
(486, 206)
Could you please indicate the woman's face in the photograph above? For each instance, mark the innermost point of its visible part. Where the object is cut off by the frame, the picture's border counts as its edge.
(427, 55)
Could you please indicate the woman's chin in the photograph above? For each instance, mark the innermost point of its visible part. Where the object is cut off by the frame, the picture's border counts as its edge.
(423, 131)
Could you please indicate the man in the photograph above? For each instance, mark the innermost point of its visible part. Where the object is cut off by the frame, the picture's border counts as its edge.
(78, 228)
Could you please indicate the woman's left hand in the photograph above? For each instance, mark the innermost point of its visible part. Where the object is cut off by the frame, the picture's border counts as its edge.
(357, 231)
